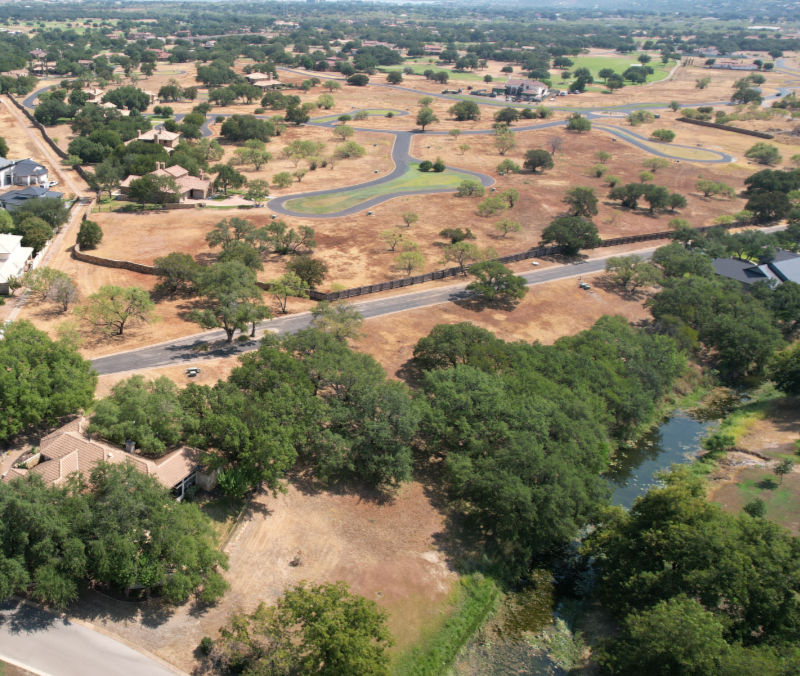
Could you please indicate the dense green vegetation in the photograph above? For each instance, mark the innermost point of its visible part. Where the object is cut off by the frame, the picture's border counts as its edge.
(40, 380)
(699, 591)
(120, 529)
(320, 629)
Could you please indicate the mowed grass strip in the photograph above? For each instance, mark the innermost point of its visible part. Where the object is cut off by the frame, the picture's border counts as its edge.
(474, 599)
(412, 180)
(371, 112)
(676, 151)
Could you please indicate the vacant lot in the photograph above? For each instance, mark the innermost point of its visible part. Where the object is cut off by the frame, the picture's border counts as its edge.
(390, 552)
(772, 432)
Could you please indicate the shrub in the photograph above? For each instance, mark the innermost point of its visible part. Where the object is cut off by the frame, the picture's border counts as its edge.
(425, 165)
(90, 235)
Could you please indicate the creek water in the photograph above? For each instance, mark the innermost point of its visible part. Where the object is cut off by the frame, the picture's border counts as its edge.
(673, 442)
(633, 472)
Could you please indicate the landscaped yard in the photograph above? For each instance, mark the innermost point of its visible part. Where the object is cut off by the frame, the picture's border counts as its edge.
(419, 67)
(620, 64)
(372, 112)
(412, 180)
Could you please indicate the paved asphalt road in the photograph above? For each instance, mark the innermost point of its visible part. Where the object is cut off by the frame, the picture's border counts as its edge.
(183, 351)
(47, 644)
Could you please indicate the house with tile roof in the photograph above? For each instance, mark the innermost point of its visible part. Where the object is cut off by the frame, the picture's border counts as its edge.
(189, 187)
(167, 139)
(14, 260)
(68, 450)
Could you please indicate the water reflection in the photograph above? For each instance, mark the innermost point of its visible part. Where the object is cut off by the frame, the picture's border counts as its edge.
(634, 469)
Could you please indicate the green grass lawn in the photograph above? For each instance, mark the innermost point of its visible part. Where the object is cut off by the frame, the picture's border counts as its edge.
(371, 112)
(413, 179)
(420, 67)
(618, 63)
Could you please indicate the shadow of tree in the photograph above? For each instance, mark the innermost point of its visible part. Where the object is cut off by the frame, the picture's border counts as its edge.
(767, 484)
(481, 303)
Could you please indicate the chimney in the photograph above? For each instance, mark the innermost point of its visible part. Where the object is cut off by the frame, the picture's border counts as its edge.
(202, 175)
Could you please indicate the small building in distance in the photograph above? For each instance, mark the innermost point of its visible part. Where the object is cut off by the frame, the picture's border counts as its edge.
(14, 260)
(189, 187)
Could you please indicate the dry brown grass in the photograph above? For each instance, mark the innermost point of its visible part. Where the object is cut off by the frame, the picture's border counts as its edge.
(386, 551)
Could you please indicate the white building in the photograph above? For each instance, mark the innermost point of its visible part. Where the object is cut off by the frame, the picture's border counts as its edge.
(13, 259)
(23, 172)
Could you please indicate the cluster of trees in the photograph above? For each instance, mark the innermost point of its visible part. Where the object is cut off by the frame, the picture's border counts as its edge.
(574, 230)
(524, 431)
(322, 629)
(697, 590)
(656, 196)
(120, 529)
(40, 380)
(742, 329)
(768, 194)
(36, 220)
(308, 398)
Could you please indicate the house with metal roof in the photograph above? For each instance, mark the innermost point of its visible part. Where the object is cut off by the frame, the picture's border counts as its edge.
(784, 267)
(14, 198)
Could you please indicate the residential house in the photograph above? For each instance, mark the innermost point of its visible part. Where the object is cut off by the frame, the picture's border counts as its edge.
(14, 198)
(189, 187)
(784, 267)
(13, 259)
(264, 81)
(68, 451)
(732, 64)
(525, 89)
(433, 49)
(168, 139)
(28, 172)
(162, 55)
(95, 94)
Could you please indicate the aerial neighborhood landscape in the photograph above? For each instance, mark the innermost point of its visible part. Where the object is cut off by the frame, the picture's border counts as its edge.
(410, 338)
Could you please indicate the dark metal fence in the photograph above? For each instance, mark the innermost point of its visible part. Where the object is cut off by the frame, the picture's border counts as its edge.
(725, 127)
